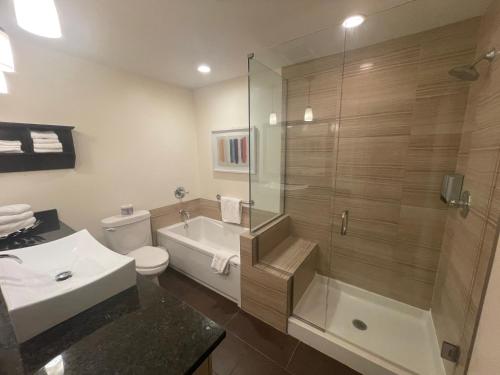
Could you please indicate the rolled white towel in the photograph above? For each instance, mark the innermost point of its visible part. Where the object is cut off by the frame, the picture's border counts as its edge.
(14, 209)
(39, 141)
(43, 134)
(4, 142)
(7, 229)
(7, 219)
(48, 146)
(47, 150)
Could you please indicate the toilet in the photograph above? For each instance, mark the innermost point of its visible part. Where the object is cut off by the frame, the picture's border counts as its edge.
(131, 235)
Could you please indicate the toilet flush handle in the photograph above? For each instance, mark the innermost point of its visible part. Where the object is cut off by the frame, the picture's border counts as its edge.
(110, 229)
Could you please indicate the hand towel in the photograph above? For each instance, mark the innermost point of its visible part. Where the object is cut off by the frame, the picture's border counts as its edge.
(4, 142)
(7, 229)
(220, 262)
(8, 219)
(14, 209)
(43, 135)
(51, 146)
(230, 210)
(39, 141)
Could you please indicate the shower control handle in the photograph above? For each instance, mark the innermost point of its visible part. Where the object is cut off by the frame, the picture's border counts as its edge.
(345, 223)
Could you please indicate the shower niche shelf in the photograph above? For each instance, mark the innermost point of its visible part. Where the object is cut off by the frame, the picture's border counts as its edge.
(29, 160)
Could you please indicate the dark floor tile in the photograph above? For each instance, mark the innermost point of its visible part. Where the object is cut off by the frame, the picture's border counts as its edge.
(208, 302)
(307, 360)
(276, 345)
(234, 356)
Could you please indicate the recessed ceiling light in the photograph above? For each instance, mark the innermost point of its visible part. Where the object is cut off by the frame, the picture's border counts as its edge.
(38, 17)
(204, 68)
(353, 21)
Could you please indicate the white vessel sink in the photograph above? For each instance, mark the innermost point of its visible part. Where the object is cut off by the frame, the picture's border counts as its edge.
(36, 301)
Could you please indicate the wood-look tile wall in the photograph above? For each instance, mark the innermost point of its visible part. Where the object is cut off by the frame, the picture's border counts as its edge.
(383, 159)
(468, 243)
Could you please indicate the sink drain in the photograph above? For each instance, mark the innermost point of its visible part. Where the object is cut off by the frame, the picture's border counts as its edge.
(63, 275)
(359, 324)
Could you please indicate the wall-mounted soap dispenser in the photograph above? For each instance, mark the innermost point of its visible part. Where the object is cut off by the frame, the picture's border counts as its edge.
(451, 193)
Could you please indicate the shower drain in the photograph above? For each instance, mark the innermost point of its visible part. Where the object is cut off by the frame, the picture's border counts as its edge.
(359, 324)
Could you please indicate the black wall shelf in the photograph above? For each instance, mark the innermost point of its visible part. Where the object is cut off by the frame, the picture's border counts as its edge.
(30, 160)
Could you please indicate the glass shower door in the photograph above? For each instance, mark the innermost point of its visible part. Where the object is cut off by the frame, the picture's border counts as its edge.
(267, 142)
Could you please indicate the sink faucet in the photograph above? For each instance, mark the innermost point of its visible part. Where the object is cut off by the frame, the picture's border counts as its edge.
(185, 217)
(13, 257)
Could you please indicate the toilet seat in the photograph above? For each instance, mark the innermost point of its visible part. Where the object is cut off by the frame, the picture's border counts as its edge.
(148, 258)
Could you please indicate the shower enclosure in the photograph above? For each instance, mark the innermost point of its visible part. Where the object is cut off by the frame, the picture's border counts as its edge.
(400, 275)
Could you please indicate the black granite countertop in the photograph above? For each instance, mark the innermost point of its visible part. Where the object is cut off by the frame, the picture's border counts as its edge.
(143, 330)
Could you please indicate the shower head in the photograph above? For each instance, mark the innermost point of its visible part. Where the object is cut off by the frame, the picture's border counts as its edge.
(469, 72)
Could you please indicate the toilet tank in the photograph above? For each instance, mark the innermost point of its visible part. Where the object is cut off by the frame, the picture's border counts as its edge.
(124, 233)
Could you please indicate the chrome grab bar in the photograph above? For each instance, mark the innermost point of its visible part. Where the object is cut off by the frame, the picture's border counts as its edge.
(245, 203)
(345, 223)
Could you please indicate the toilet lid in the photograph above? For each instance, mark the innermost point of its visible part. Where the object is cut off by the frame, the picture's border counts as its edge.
(149, 257)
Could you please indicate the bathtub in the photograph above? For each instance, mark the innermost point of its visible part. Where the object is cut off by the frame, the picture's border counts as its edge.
(191, 251)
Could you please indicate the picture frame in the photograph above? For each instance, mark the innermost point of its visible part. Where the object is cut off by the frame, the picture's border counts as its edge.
(231, 150)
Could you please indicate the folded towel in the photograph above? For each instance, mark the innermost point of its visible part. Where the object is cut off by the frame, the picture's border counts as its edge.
(39, 141)
(11, 150)
(43, 134)
(14, 209)
(47, 150)
(7, 229)
(230, 210)
(8, 219)
(220, 262)
(4, 142)
(48, 146)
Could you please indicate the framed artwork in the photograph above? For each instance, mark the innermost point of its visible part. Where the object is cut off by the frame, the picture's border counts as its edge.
(231, 150)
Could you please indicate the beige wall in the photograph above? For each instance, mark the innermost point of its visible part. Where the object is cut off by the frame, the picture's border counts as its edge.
(485, 359)
(135, 138)
(220, 106)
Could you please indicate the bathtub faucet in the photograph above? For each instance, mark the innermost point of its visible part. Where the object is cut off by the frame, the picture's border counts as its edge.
(185, 217)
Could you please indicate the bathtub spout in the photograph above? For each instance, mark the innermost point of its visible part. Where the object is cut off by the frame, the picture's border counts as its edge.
(185, 217)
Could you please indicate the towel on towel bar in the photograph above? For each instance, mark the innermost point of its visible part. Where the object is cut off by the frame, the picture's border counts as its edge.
(8, 219)
(14, 209)
(220, 262)
(43, 135)
(7, 229)
(230, 210)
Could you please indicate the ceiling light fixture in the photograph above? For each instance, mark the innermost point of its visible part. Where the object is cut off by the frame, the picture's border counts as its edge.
(353, 21)
(204, 69)
(4, 89)
(38, 17)
(6, 58)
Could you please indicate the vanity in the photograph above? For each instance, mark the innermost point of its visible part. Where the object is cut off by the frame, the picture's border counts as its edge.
(141, 330)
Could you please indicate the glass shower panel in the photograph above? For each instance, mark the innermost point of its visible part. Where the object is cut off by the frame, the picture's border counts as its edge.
(267, 146)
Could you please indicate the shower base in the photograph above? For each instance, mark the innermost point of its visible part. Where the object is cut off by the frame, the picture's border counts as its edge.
(368, 332)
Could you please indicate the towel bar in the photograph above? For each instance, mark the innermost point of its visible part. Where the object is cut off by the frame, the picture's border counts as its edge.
(246, 203)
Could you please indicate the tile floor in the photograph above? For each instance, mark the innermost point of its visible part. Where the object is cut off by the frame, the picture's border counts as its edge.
(250, 346)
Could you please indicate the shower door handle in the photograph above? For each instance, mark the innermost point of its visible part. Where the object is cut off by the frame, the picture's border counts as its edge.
(345, 223)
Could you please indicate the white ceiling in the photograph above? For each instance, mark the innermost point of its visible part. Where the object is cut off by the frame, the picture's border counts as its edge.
(167, 39)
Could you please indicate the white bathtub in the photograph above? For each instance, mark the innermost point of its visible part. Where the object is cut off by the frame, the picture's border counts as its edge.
(191, 251)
